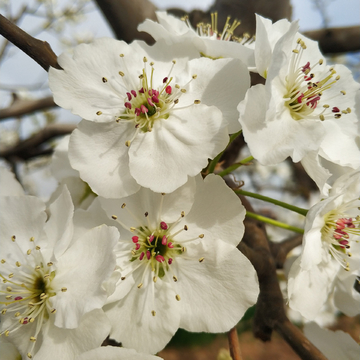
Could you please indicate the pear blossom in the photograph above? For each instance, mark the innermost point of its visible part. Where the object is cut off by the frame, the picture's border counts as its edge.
(152, 118)
(52, 283)
(335, 345)
(304, 106)
(207, 39)
(179, 263)
(331, 246)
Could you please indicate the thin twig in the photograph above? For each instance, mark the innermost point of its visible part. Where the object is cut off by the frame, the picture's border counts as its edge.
(234, 345)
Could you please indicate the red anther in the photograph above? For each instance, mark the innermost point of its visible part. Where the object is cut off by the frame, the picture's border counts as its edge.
(25, 321)
(141, 91)
(160, 258)
(143, 109)
(129, 96)
(128, 105)
(306, 67)
(134, 93)
(165, 79)
(164, 225)
(148, 254)
(335, 109)
(137, 246)
(343, 242)
(164, 240)
(313, 101)
(299, 99)
(155, 99)
(168, 89)
(150, 102)
(155, 92)
(18, 298)
(141, 256)
(150, 92)
(137, 111)
(170, 245)
(135, 239)
(338, 234)
(170, 261)
(151, 238)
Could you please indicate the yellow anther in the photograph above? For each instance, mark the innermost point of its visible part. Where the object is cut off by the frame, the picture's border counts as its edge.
(140, 285)
(114, 217)
(197, 102)
(123, 205)
(153, 312)
(99, 112)
(104, 79)
(175, 278)
(201, 259)
(32, 338)
(18, 264)
(13, 238)
(201, 236)
(63, 289)
(29, 252)
(121, 73)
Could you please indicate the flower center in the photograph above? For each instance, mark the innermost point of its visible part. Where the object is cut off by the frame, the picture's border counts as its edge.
(147, 102)
(26, 291)
(156, 250)
(339, 231)
(305, 89)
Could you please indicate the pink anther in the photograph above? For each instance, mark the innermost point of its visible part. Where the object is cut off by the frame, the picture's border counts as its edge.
(168, 89)
(150, 102)
(137, 111)
(151, 238)
(159, 258)
(135, 239)
(141, 91)
(148, 254)
(134, 93)
(335, 109)
(164, 225)
(129, 96)
(141, 256)
(170, 261)
(18, 298)
(170, 245)
(137, 246)
(155, 99)
(164, 240)
(128, 105)
(165, 79)
(143, 109)
(25, 321)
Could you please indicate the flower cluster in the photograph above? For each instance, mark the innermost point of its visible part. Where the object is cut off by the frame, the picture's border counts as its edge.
(140, 237)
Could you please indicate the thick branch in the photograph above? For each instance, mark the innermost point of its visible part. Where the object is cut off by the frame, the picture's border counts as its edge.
(25, 106)
(124, 16)
(33, 146)
(38, 50)
(337, 40)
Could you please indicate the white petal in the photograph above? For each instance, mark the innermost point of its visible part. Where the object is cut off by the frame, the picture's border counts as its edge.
(99, 153)
(60, 344)
(224, 287)
(9, 186)
(82, 269)
(115, 353)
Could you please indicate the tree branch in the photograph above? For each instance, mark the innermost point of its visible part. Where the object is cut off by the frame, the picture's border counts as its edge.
(336, 40)
(38, 50)
(124, 16)
(33, 146)
(25, 106)
(234, 345)
(280, 250)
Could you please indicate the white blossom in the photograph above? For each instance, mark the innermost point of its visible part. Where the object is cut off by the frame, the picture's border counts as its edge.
(179, 263)
(331, 245)
(152, 117)
(51, 288)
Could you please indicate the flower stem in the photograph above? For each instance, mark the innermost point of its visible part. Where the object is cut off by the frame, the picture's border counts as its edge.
(296, 209)
(213, 163)
(235, 166)
(274, 222)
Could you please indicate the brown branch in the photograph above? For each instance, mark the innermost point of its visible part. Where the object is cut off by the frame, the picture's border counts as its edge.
(38, 50)
(234, 345)
(33, 146)
(22, 107)
(270, 313)
(280, 250)
(124, 16)
(337, 40)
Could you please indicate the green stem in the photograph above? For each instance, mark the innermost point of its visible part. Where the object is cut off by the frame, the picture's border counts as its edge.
(213, 163)
(235, 166)
(274, 222)
(296, 209)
